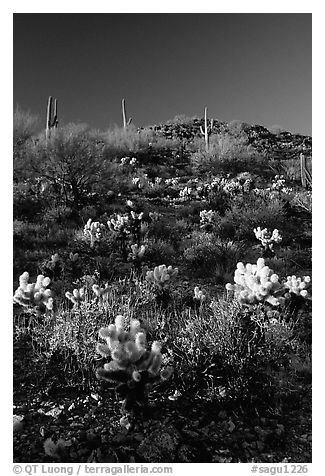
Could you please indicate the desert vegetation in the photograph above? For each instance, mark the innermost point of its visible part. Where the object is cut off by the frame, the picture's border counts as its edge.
(162, 293)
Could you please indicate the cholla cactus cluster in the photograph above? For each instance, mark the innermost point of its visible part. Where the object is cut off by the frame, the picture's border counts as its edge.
(119, 223)
(186, 193)
(267, 238)
(132, 368)
(137, 252)
(199, 296)
(206, 218)
(34, 294)
(94, 230)
(256, 283)
(161, 275)
(77, 296)
(278, 184)
(128, 161)
(73, 257)
(298, 286)
(154, 216)
(101, 293)
(172, 181)
(136, 216)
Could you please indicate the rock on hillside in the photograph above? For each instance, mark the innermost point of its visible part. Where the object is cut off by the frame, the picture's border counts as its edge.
(280, 145)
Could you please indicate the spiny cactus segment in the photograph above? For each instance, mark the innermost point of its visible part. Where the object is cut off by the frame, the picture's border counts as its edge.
(137, 252)
(73, 257)
(132, 368)
(161, 275)
(34, 294)
(77, 296)
(199, 296)
(256, 283)
(94, 230)
(266, 237)
(206, 218)
(119, 223)
(298, 286)
(100, 292)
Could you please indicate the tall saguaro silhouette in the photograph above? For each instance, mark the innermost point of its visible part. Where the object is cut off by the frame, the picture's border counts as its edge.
(51, 116)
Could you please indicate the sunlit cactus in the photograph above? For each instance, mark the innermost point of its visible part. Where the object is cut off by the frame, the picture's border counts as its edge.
(255, 283)
(207, 218)
(137, 252)
(77, 296)
(161, 275)
(101, 293)
(94, 230)
(73, 257)
(119, 223)
(132, 368)
(298, 286)
(199, 296)
(55, 258)
(154, 216)
(34, 294)
(268, 239)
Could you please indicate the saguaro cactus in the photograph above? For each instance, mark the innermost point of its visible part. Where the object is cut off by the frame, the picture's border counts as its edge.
(207, 129)
(51, 122)
(306, 178)
(126, 122)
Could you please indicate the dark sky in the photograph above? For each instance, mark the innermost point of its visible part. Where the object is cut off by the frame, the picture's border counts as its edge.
(252, 67)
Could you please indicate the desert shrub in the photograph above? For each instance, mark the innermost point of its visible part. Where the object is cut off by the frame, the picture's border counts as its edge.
(210, 255)
(25, 127)
(291, 169)
(70, 161)
(250, 212)
(144, 144)
(159, 251)
(28, 204)
(61, 215)
(227, 153)
(227, 353)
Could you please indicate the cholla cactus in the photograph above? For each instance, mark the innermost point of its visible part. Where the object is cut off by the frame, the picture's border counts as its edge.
(119, 223)
(155, 216)
(136, 181)
(172, 181)
(267, 238)
(137, 252)
(73, 257)
(124, 160)
(136, 216)
(55, 258)
(94, 230)
(298, 286)
(206, 218)
(161, 275)
(198, 295)
(132, 368)
(101, 293)
(186, 193)
(256, 283)
(77, 296)
(34, 294)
